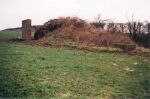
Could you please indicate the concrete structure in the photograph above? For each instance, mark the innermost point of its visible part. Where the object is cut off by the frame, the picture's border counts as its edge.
(26, 29)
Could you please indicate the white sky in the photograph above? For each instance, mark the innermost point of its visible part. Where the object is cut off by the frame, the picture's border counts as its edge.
(12, 12)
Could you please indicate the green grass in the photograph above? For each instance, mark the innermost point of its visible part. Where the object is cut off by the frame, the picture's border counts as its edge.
(9, 35)
(36, 72)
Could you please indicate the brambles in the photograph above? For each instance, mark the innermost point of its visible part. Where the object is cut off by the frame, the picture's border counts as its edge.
(79, 31)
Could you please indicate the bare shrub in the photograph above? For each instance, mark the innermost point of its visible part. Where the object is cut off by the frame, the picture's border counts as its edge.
(80, 31)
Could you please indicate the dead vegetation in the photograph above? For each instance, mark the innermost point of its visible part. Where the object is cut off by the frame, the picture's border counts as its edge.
(71, 29)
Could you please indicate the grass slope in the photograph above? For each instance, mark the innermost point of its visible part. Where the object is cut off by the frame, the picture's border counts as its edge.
(35, 72)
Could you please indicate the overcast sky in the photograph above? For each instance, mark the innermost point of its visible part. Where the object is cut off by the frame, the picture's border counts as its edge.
(13, 11)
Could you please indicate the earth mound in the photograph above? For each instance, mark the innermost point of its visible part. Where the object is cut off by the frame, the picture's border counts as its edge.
(70, 30)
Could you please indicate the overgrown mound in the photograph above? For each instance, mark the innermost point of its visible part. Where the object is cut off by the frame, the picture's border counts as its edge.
(74, 30)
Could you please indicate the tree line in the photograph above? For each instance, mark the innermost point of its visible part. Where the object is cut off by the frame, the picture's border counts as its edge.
(139, 31)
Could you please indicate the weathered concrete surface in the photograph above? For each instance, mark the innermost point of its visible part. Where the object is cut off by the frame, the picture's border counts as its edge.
(26, 29)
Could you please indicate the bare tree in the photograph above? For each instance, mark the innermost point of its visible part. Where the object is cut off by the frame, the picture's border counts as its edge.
(99, 23)
(148, 30)
(134, 27)
(121, 27)
(148, 27)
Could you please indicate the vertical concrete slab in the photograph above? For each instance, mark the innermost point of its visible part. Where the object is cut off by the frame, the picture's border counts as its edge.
(26, 29)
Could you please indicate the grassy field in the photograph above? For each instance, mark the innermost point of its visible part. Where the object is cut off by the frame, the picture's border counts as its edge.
(35, 72)
(9, 35)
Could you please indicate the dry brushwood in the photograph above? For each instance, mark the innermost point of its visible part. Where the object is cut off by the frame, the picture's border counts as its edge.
(80, 31)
